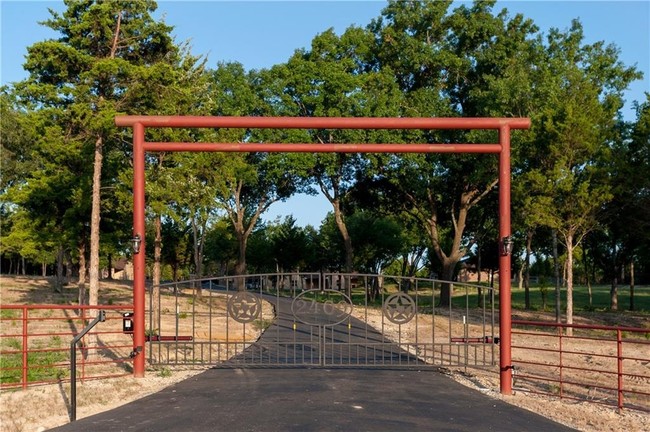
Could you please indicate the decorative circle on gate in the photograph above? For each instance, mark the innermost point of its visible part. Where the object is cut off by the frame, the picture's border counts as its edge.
(321, 308)
(399, 308)
(244, 307)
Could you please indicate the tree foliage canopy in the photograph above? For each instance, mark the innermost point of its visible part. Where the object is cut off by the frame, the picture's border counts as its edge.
(581, 170)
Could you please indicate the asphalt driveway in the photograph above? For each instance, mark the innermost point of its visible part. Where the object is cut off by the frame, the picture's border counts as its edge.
(316, 399)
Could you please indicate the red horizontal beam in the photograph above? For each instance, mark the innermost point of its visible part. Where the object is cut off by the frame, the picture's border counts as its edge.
(577, 326)
(72, 307)
(323, 122)
(321, 148)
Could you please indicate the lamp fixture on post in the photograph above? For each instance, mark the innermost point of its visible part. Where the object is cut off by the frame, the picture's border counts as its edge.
(506, 246)
(136, 240)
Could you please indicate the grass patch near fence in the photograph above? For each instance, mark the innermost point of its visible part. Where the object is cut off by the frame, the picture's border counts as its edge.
(42, 364)
(600, 298)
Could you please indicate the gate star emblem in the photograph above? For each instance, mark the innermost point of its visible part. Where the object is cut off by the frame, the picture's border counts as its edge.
(244, 307)
(399, 308)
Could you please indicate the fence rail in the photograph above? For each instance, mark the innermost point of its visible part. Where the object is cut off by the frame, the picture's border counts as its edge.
(602, 364)
(35, 344)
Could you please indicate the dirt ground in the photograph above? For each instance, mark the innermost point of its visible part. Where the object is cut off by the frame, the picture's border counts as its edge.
(43, 407)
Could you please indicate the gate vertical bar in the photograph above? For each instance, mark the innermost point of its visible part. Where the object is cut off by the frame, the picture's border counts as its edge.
(505, 318)
(138, 256)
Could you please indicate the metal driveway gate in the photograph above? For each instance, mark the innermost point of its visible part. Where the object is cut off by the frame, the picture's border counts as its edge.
(327, 320)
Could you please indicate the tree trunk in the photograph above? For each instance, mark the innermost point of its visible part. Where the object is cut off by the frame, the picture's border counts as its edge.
(404, 265)
(569, 282)
(347, 241)
(556, 265)
(198, 255)
(43, 269)
(58, 281)
(529, 249)
(68, 267)
(110, 267)
(240, 267)
(478, 277)
(632, 285)
(446, 288)
(587, 279)
(467, 200)
(93, 294)
(22, 258)
(82, 272)
(613, 294)
(155, 292)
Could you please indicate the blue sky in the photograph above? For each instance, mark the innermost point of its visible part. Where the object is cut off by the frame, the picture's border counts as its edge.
(263, 33)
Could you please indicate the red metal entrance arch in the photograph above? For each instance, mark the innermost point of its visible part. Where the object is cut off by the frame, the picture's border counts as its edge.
(503, 125)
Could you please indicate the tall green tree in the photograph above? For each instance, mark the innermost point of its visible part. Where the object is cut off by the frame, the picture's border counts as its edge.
(628, 214)
(48, 190)
(248, 183)
(451, 63)
(335, 78)
(110, 58)
(580, 98)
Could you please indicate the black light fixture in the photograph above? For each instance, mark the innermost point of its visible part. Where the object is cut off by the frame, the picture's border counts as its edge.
(507, 245)
(136, 240)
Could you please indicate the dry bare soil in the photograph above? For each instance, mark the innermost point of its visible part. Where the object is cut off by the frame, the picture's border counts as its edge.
(47, 406)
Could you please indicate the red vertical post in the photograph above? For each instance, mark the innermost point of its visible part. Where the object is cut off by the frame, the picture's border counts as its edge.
(139, 256)
(25, 346)
(84, 347)
(505, 317)
(561, 353)
(619, 363)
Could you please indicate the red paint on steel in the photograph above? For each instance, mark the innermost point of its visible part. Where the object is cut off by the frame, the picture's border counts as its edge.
(562, 365)
(505, 317)
(138, 258)
(25, 341)
(322, 148)
(84, 346)
(526, 323)
(26, 336)
(66, 307)
(503, 125)
(619, 365)
(322, 122)
(561, 351)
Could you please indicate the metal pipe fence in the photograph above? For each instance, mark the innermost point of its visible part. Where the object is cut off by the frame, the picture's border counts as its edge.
(35, 344)
(600, 364)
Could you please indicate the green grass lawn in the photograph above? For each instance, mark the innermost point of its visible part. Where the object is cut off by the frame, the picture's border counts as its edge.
(600, 298)
(41, 363)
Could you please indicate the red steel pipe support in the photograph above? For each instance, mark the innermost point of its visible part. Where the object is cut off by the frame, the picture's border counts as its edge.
(25, 346)
(323, 122)
(322, 148)
(503, 125)
(505, 317)
(139, 257)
